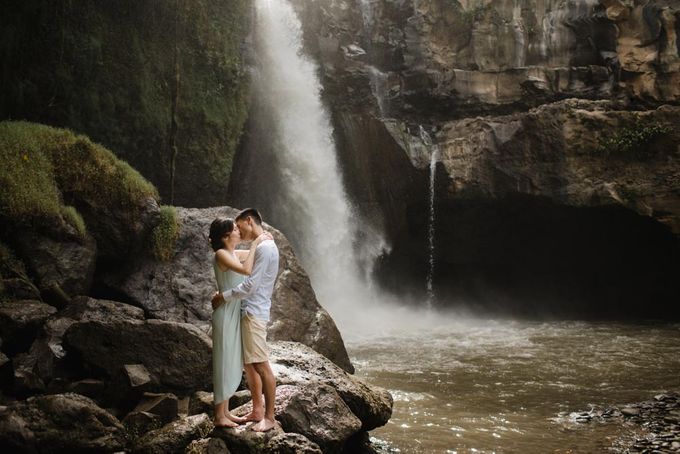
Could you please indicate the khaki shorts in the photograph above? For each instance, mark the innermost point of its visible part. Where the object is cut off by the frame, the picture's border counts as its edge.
(254, 340)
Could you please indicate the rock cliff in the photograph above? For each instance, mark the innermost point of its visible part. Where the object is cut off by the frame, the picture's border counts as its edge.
(554, 130)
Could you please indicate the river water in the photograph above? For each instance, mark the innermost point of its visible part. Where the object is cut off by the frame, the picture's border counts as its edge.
(500, 386)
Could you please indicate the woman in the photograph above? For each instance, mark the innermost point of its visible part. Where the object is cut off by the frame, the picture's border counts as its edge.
(230, 268)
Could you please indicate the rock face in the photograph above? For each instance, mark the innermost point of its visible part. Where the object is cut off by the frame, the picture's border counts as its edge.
(180, 289)
(20, 322)
(177, 355)
(527, 185)
(174, 437)
(449, 58)
(162, 85)
(59, 423)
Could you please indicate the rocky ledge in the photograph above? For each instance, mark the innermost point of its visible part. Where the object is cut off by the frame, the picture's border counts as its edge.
(655, 424)
(98, 377)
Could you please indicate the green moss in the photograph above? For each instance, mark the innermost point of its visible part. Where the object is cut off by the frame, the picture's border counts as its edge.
(108, 70)
(74, 219)
(633, 140)
(43, 169)
(165, 234)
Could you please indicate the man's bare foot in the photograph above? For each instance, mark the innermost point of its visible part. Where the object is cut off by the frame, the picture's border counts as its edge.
(224, 422)
(256, 416)
(263, 426)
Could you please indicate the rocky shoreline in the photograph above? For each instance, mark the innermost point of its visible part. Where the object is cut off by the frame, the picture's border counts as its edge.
(99, 377)
(654, 424)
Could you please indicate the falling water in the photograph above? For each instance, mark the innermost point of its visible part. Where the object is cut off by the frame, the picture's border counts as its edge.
(310, 197)
(427, 141)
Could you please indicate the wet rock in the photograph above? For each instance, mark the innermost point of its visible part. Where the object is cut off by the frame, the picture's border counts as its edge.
(180, 290)
(243, 440)
(317, 412)
(137, 423)
(298, 365)
(292, 443)
(20, 323)
(239, 398)
(628, 411)
(59, 423)
(164, 405)
(137, 375)
(89, 387)
(201, 402)
(174, 437)
(207, 446)
(60, 259)
(178, 354)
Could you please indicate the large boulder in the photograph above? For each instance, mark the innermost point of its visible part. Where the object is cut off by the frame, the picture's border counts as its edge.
(292, 443)
(180, 290)
(298, 365)
(59, 423)
(45, 359)
(243, 440)
(176, 355)
(316, 411)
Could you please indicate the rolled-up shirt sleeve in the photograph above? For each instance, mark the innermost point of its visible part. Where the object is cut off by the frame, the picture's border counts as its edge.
(250, 283)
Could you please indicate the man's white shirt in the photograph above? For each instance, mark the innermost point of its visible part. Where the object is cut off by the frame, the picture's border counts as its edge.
(255, 292)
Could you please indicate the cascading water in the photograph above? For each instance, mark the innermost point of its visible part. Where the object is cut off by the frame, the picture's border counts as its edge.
(434, 156)
(311, 196)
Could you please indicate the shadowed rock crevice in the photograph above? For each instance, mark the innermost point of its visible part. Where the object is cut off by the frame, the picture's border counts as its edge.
(528, 256)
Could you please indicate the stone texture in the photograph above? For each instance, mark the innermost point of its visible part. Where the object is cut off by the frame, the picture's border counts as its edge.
(59, 423)
(317, 412)
(137, 423)
(20, 323)
(177, 355)
(174, 437)
(165, 405)
(180, 290)
(207, 446)
(242, 440)
(292, 443)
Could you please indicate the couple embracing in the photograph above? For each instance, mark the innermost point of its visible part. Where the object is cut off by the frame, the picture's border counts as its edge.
(245, 281)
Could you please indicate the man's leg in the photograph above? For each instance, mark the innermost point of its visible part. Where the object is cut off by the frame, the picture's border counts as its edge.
(255, 387)
(264, 371)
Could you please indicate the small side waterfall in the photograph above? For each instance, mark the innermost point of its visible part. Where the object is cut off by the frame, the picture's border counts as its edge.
(434, 156)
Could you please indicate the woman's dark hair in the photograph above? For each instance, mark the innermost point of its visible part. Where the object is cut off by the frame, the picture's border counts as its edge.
(218, 228)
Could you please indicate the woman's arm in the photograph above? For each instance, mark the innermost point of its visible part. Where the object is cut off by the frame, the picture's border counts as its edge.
(227, 261)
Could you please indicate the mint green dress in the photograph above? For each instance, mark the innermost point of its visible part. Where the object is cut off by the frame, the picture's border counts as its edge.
(226, 332)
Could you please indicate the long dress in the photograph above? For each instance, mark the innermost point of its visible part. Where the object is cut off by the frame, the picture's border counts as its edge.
(226, 331)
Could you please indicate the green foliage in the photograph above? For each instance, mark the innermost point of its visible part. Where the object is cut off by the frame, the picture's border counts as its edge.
(165, 234)
(74, 219)
(42, 167)
(632, 141)
(108, 70)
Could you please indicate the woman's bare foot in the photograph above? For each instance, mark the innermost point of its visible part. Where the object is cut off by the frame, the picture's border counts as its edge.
(264, 425)
(224, 422)
(254, 416)
(237, 419)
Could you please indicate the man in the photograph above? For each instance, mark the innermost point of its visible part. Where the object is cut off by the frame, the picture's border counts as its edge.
(255, 293)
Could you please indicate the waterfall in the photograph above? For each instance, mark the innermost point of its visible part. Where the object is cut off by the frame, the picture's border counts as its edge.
(434, 155)
(309, 200)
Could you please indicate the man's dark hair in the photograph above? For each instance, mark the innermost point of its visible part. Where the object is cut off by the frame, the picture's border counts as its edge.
(252, 212)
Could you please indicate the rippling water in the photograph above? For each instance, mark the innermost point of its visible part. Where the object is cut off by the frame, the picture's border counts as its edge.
(499, 386)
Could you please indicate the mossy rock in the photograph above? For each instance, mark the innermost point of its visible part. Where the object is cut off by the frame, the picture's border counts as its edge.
(67, 202)
(162, 84)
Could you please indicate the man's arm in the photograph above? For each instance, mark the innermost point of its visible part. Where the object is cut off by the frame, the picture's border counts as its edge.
(248, 286)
